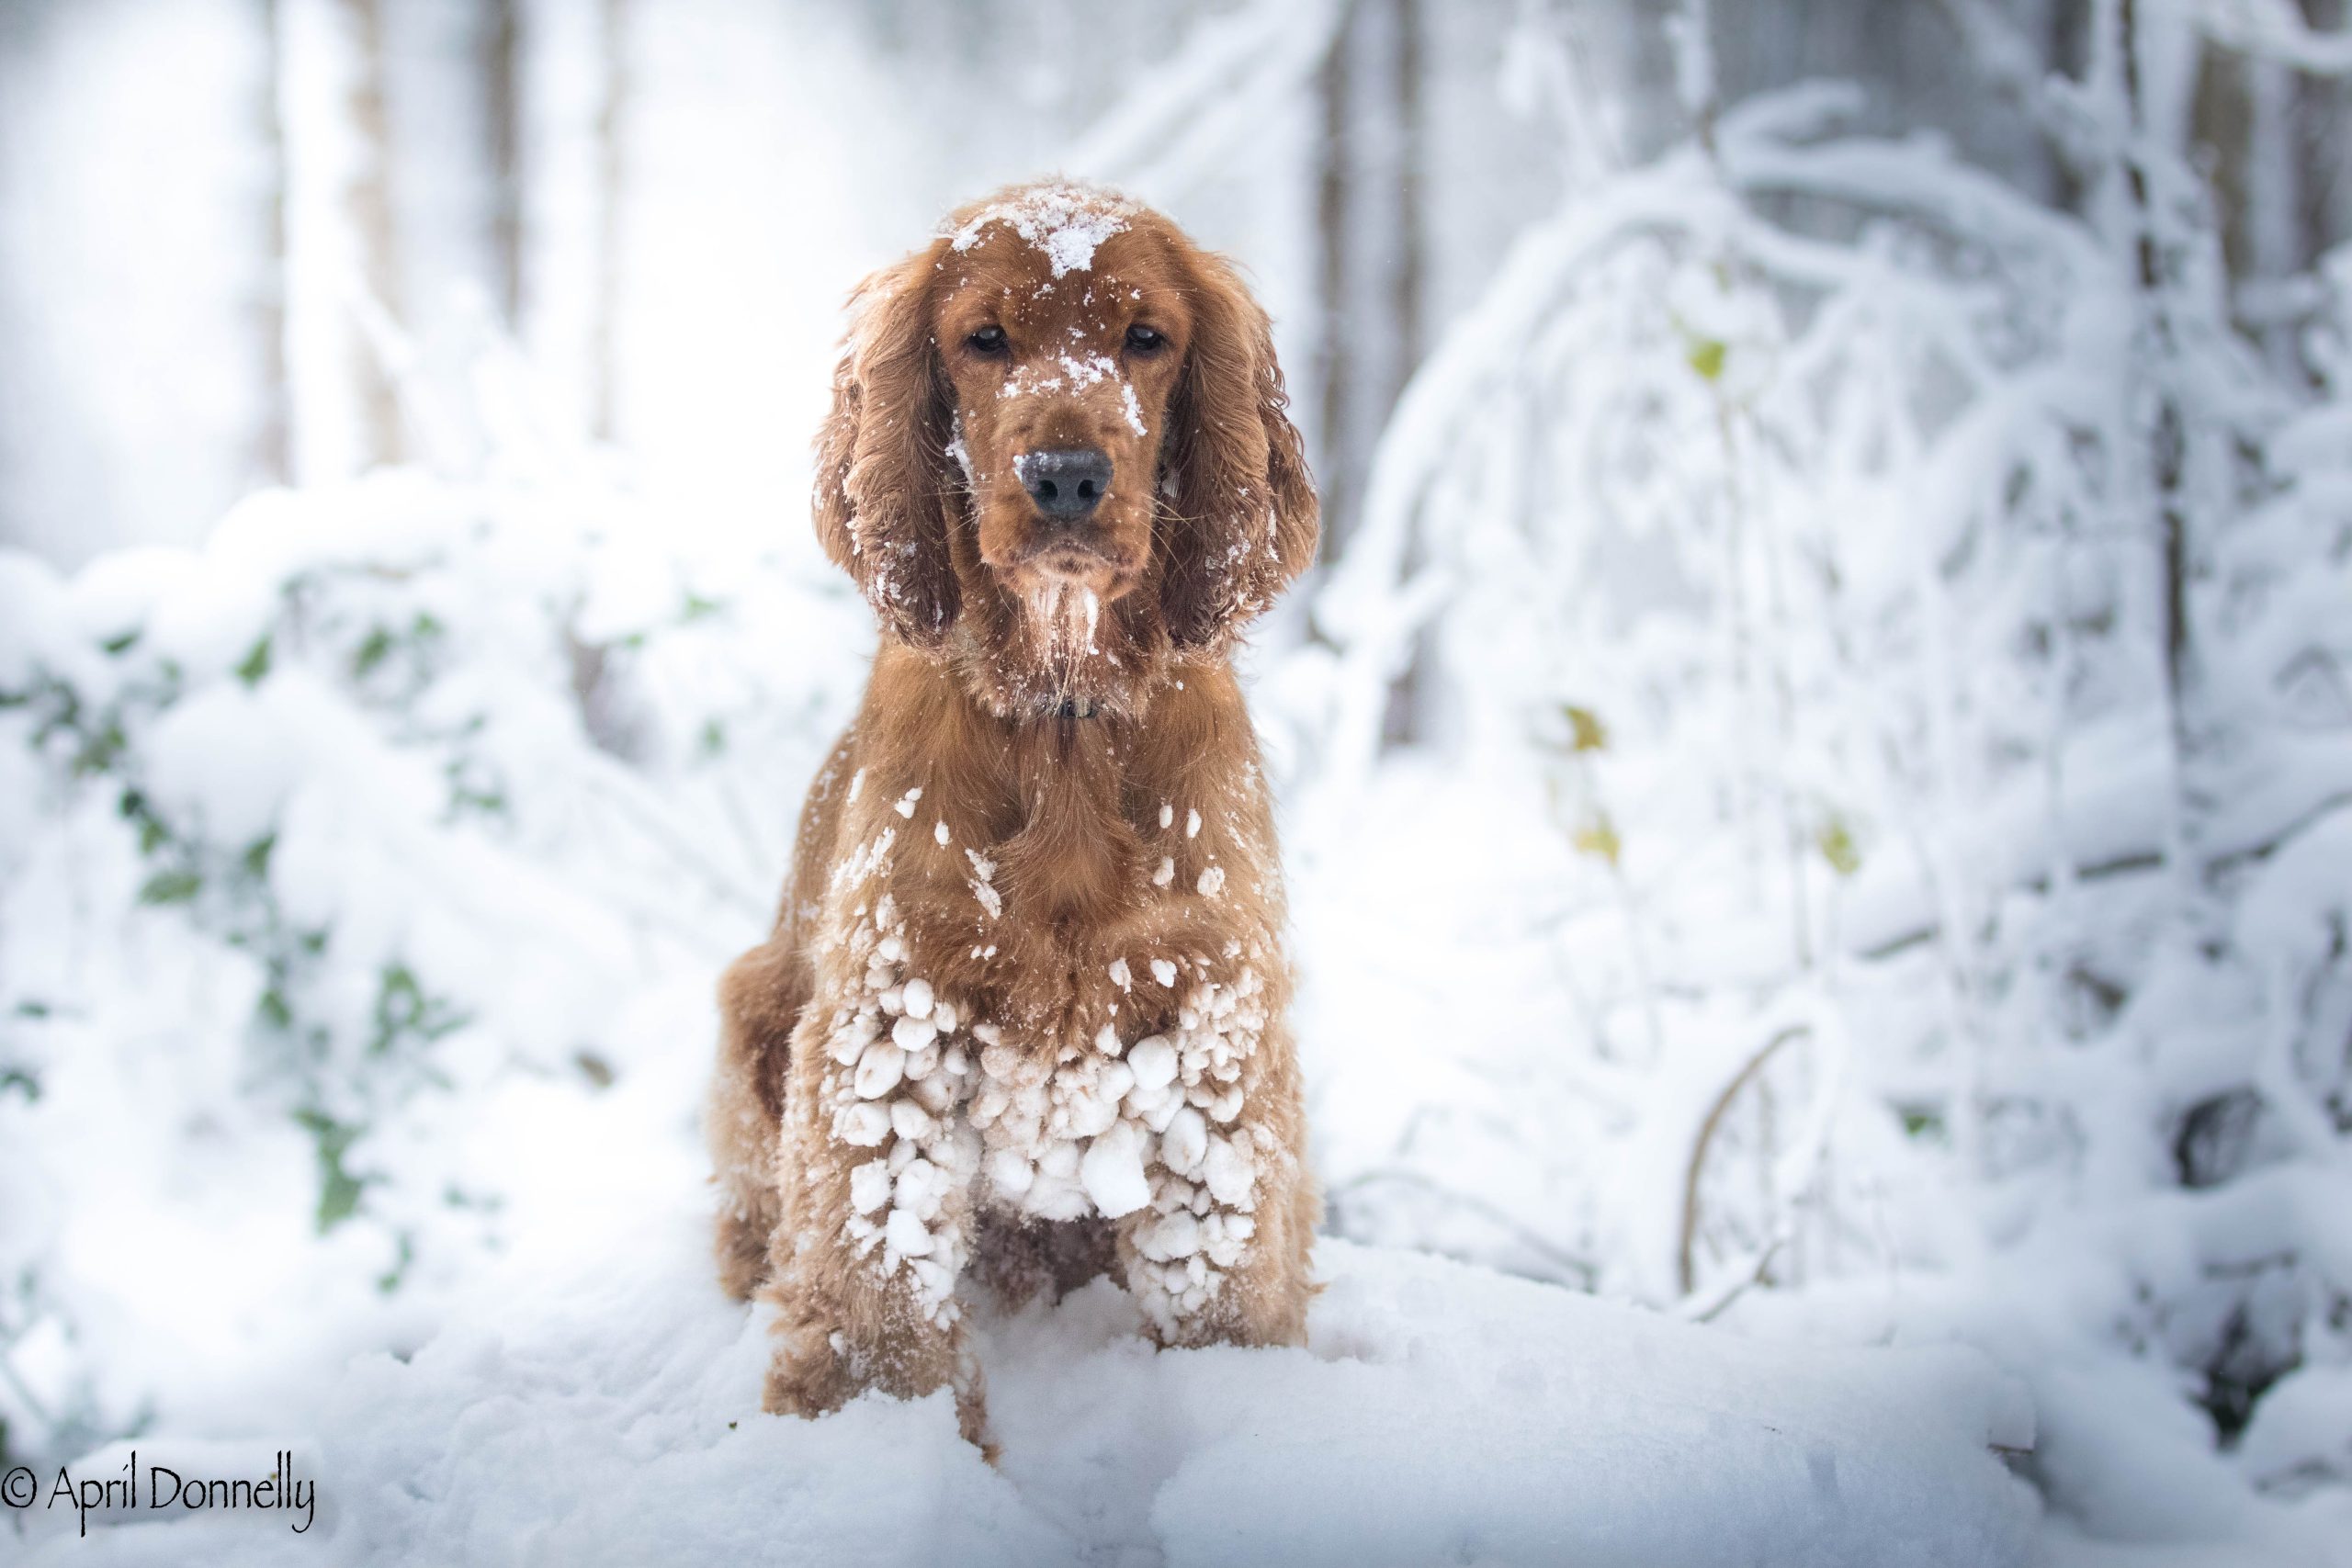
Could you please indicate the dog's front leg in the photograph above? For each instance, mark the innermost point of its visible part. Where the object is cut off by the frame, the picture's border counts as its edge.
(874, 1176)
(1220, 1256)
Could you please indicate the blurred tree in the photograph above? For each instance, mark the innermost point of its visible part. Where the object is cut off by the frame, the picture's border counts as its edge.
(1369, 203)
(1369, 207)
(342, 273)
(2321, 131)
(273, 442)
(567, 83)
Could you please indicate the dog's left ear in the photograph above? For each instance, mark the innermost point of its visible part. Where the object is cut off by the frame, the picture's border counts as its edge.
(1241, 521)
(884, 500)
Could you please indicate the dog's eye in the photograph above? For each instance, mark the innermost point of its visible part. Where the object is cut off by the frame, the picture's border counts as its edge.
(988, 341)
(1145, 340)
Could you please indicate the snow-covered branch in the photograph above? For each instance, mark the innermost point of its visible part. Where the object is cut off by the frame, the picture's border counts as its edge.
(2275, 31)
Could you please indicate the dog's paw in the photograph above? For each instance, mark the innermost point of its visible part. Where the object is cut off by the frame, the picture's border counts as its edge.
(806, 1385)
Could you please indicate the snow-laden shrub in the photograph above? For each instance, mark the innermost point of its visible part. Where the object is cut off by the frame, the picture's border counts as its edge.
(1776, 536)
(353, 865)
(1857, 892)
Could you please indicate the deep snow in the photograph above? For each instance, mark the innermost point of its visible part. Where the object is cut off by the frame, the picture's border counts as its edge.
(1440, 1414)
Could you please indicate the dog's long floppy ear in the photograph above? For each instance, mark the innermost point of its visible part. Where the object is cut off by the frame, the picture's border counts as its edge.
(1241, 521)
(884, 500)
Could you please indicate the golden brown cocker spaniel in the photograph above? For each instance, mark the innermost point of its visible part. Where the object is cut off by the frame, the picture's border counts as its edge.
(1022, 1012)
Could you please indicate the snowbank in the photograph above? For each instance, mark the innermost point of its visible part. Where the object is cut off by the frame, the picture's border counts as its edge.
(1442, 1413)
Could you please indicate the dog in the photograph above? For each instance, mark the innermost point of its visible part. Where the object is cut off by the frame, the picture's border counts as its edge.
(1021, 1016)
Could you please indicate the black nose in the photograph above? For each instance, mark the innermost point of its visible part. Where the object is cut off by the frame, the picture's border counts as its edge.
(1065, 485)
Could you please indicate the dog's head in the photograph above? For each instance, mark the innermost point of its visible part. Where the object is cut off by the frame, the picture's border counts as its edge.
(1061, 425)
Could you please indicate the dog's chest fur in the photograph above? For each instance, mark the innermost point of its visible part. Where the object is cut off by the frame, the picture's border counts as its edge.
(1062, 1098)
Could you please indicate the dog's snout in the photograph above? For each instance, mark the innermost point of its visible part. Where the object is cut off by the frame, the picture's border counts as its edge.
(1067, 485)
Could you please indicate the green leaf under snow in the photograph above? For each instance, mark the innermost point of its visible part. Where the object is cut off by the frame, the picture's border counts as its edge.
(338, 1188)
(171, 888)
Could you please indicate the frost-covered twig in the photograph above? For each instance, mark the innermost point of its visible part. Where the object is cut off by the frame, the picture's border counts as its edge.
(1573, 1269)
(1686, 1250)
(1706, 1309)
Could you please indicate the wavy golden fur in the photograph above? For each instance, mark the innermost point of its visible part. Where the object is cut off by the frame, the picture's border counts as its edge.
(1022, 1012)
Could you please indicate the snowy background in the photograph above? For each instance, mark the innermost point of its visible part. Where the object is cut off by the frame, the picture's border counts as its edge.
(1817, 770)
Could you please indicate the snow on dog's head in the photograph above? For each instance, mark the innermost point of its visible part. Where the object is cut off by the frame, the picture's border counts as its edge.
(1061, 426)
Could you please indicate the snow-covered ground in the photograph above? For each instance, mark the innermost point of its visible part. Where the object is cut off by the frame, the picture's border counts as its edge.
(357, 964)
(1440, 1414)
(367, 873)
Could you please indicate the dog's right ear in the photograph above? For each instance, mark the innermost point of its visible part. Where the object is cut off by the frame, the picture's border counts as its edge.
(885, 498)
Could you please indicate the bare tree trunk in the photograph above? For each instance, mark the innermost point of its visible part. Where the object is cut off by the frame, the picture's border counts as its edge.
(500, 44)
(2221, 120)
(2067, 36)
(567, 109)
(341, 259)
(273, 441)
(1332, 183)
(2158, 260)
(2241, 123)
(612, 171)
(1369, 210)
(1371, 242)
(367, 202)
(2322, 108)
(2168, 444)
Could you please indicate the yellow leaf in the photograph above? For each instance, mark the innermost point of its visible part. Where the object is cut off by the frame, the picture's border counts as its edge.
(1598, 836)
(1586, 732)
(1836, 842)
(1706, 357)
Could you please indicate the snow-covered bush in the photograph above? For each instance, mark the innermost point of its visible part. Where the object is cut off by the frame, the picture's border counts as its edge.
(1878, 663)
(1784, 458)
(354, 863)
